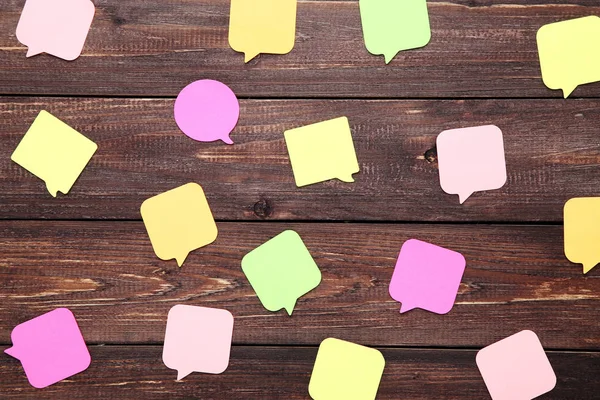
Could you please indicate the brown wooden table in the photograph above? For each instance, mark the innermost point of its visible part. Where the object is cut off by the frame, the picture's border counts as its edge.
(89, 251)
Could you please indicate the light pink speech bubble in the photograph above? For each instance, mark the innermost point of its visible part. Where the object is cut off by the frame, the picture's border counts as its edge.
(426, 276)
(463, 168)
(198, 339)
(57, 27)
(207, 110)
(516, 368)
(50, 348)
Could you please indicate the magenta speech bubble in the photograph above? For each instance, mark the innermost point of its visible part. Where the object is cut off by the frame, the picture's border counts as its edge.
(50, 348)
(426, 276)
(207, 110)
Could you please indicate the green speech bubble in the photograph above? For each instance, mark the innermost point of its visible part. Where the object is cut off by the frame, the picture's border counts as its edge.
(390, 26)
(281, 271)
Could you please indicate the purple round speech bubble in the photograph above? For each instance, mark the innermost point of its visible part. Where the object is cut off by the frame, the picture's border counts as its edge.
(207, 110)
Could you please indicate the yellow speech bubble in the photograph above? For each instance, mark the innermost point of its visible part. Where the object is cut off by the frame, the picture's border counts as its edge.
(322, 151)
(570, 53)
(54, 152)
(582, 231)
(345, 370)
(262, 26)
(179, 221)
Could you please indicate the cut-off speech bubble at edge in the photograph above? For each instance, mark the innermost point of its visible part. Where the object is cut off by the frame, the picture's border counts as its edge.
(322, 151)
(50, 347)
(460, 171)
(207, 110)
(582, 231)
(281, 271)
(197, 339)
(54, 152)
(569, 53)
(262, 26)
(426, 276)
(346, 370)
(57, 27)
(178, 222)
(516, 367)
(392, 26)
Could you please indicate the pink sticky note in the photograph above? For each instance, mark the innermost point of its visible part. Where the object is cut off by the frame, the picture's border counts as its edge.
(50, 348)
(57, 27)
(198, 339)
(207, 110)
(426, 276)
(471, 160)
(516, 368)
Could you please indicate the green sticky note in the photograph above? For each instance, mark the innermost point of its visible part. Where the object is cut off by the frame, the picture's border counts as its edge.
(281, 271)
(390, 26)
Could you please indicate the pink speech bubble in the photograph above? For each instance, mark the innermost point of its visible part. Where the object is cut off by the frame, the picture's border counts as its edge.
(516, 368)
(50, 348)
(207, 110)
(57, 27)
(471, 160)
(426, 276)
(198, 339)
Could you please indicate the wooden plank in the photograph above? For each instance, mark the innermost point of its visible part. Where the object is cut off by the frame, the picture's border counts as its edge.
(552, 153)
(106, 272)
(155, 49)
(284, 373)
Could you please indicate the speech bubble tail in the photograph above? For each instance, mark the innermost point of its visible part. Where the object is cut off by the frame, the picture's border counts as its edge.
(568, 90)
(290, 308)
(181, 259)
(11, 352)
(53, 191)
(227, 140)
(588, 267)
(33, 52)
(404, 308)
(182, 374)
(249, 56)
(348, 178)
(463, 197)
(389, 57)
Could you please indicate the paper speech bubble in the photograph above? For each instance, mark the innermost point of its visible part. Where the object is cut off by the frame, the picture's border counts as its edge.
(570, 53)
(197, 339)
(207, 110)
(426, 276)
(345, 370)
(281, 271)
(179, 221)
(50, 348)
(462, 172)
(54, 152)
(322, 151)
(390, 26)
(262, 26)
(582, 231)
(516, 368)
(57, 27)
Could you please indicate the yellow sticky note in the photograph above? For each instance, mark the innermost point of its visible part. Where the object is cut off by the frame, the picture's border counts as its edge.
(262, 26)
(582, 231)
(54, 152)
(345, 370)
(322, 151)
(179, 221)
(570, 53)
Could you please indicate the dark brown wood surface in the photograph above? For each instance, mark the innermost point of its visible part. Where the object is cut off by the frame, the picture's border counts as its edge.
(479, 48)
(284, 372)
(552, 153)
(89, 251)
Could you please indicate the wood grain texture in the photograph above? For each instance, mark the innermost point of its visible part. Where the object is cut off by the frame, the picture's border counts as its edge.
(478, 49)
(552, 152)
(284, 373)
(106, 272)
